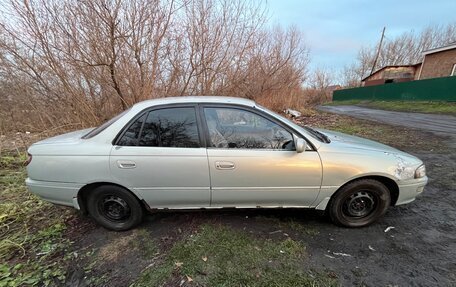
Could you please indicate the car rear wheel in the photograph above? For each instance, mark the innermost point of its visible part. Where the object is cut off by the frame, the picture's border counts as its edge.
(359, 203)
(114, 208)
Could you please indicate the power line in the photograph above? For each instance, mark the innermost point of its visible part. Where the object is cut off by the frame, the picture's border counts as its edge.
(378, 51)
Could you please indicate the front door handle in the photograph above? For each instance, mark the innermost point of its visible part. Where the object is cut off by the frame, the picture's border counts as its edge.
(126, 164)
(224, 165)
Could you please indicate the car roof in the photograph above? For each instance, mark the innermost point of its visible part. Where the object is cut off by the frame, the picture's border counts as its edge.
(195, 99)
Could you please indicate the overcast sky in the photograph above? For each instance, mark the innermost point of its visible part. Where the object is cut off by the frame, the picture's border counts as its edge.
(335, 29)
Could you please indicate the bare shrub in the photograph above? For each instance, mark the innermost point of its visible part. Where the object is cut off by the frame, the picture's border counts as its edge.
(72, 64)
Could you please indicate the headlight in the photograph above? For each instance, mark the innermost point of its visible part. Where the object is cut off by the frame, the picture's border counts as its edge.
(420, 171)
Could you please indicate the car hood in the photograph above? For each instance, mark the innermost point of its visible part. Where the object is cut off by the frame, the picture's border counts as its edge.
(354, 142)
(397, 163)
(71, 137)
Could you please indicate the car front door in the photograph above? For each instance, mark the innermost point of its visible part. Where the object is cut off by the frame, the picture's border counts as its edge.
(160, 157)
(253, 161)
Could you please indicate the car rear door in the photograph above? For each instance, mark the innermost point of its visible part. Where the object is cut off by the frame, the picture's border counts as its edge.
(253, 161)
(161, 157)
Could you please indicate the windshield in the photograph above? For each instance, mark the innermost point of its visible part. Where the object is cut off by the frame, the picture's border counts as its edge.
(313, 133)
(101, 128)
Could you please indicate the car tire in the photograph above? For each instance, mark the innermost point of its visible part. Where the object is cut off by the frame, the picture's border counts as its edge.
(359, 203)
(114, 208)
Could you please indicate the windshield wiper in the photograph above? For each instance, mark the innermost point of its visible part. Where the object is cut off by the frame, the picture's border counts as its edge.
(319, 135)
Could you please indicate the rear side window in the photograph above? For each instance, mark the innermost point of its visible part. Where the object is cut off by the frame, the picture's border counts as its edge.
(171, 127)
(104, 126)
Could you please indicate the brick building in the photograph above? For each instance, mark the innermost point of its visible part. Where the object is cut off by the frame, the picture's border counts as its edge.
(439, 62)
(392, 74)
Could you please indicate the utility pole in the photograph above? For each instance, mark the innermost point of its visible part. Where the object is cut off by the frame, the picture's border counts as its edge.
(378, 51)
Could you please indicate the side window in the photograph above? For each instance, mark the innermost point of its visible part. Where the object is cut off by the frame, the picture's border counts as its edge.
(131, 135)
(172, 127)
(236, 128)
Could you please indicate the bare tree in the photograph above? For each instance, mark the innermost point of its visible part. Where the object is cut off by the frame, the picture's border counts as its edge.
(75, 63)
(318, 90)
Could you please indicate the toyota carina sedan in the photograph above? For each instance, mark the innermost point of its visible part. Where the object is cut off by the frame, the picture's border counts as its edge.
(216, 152)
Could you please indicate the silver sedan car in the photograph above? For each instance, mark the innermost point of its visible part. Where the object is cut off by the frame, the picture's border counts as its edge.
(216, 152)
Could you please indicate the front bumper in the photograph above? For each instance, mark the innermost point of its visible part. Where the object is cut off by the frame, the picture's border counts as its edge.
(62, 193)
(409, 190)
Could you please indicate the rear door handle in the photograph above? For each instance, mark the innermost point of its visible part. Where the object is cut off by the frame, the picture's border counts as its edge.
(224, 165)
(126, 164)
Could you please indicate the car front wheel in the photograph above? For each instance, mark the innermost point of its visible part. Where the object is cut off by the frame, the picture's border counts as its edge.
(114, 208)
(359, 203)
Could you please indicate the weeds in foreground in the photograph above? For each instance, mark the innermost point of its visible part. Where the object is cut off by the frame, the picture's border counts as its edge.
(222, 256)
(289, 224)
(32, 241)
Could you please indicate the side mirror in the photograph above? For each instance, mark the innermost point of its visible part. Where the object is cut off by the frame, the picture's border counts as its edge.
(300, 145)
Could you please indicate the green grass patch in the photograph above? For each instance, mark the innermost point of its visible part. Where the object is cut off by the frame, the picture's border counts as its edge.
(148, 248)
(222, 256)
(345, 103)
(289, 224)
(32, 242)
(12, 161)
(446, 108)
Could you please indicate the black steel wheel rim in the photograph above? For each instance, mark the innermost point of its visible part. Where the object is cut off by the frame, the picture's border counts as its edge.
(359, 204)
(114, 208)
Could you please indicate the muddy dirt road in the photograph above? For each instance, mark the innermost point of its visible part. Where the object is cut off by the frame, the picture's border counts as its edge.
(419, 251)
